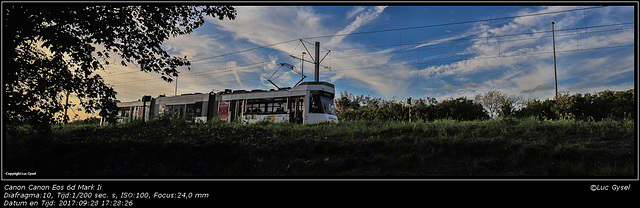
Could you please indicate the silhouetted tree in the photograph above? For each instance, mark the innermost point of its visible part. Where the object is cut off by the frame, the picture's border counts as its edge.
(51, 50)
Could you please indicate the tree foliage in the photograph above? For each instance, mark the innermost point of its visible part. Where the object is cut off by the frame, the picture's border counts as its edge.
(350, 107)
(606, 104)
(53, 50)
(591, 107)
(498, 103)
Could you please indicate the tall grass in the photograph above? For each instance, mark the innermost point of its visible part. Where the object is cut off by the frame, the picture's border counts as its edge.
(495, 147)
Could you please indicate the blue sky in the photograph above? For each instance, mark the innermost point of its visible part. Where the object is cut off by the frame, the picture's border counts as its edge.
(511, 55)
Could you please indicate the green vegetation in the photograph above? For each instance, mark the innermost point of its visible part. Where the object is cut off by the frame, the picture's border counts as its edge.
(588, 107)
(571, 136)
(353, 108)
(170, 147)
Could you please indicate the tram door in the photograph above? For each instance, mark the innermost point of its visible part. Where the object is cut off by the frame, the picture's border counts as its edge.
(235, 110)
(296, 109)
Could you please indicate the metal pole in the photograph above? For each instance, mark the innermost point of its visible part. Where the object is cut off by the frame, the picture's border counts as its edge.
(66, 105)
(302, 67)
(317, 62)
(176, 92)
(555, 74)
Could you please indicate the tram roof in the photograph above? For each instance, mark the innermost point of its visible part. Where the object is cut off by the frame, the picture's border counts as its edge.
(299, 90)
(228, 94)
(318, 83)
(129, 104)
(301, 86)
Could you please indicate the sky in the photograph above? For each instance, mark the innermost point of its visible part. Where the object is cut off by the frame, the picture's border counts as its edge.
(403, 51)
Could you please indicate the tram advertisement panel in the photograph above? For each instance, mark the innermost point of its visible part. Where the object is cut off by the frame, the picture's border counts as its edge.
(223, 111)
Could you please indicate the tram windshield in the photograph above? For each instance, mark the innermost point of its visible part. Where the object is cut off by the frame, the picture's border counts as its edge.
(322, 103)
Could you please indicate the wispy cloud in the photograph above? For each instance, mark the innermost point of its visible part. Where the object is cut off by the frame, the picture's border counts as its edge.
(299, 22)
(363, 18)
(356, 10)
(533, 70)
(388, 74)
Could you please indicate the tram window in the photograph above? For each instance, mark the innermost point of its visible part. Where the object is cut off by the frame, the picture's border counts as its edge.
(328, 105)
(198, 109)
(300, 104)
(194, 109)
(269, 108)
(190, 110)
(125, 112)
(252, 108)
(170, 110)
(248, 108)
(266, 106)
(279, 107)
(174, 110)
(316, 104)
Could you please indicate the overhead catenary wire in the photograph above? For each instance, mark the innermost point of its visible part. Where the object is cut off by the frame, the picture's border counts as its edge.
(387, 30)
(486, 57)
(160, 80)
(138, 71)
(430, 48)
(452, 23)
(495, 36)
(480, 43)
(415, 43)
(398, 29)
(241, 51)
(212, 71)
(427, 62)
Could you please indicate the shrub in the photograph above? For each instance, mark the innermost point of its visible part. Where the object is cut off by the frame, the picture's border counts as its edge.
(591, 107)
(421, 109)
(457, 109)
(538, 109)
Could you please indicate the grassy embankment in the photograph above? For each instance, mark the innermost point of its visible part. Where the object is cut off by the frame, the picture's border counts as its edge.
(497, 147)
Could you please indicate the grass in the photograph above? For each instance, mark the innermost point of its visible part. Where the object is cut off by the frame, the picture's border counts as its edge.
(500, 147)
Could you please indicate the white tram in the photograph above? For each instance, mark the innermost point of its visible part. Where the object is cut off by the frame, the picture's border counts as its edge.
(308, 102)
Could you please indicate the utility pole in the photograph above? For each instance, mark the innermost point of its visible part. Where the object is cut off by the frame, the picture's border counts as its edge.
(555, 74)
(176, 92)
(317, 62)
